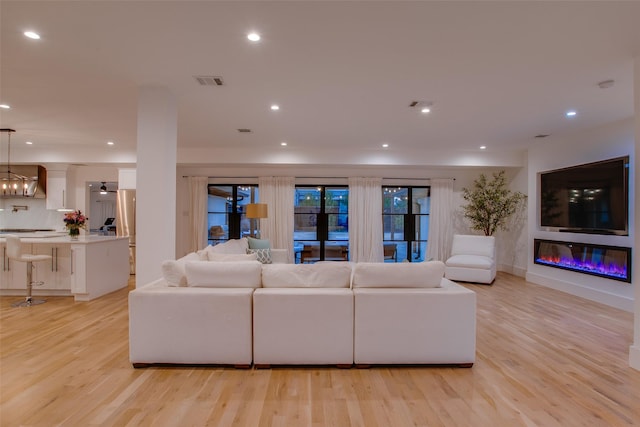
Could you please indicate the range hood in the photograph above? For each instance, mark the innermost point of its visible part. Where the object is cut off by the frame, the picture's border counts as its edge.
(32, 177)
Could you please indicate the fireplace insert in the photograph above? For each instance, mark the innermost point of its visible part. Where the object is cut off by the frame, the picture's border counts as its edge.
(611, 262)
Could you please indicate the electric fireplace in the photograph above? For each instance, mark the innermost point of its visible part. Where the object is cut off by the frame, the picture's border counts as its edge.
(611, 262)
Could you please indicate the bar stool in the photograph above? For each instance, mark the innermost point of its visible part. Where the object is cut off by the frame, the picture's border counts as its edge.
(14, 252)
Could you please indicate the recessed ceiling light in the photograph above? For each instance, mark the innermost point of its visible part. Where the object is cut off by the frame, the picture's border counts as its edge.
(483, 147)
(254, 37)
(5, 106)
(32, 35)
(110, 143)
(275, 107)
(425, 110)
(28, 142)
(571, 113)
(385, 145)
(284, 144)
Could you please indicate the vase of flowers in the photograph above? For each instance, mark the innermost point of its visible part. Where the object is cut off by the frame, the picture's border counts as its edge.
(74, 221)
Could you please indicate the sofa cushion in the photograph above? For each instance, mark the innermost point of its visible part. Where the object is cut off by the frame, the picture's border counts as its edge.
(203, 253)
(426, 274)
(470, 261)
(464, 244)
(262, 255)
(319, 275)
(231, 257)
(241, 274)
(258, 243)
(233, 246)
(173, 271)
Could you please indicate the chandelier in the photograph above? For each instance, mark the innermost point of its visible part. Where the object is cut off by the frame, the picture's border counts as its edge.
(12, 184)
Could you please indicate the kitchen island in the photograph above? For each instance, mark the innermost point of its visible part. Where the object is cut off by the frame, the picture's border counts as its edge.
(86, 268)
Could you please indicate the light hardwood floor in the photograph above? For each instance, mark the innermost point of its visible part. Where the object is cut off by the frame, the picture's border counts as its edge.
(544, 358)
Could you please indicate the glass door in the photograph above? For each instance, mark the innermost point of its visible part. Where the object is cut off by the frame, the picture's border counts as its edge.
(405, 219)
(226, 212)
(321, 224)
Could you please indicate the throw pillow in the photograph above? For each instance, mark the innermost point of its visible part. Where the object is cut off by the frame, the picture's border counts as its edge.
(232, 257)
(233, 246)
(259, 243)
(173, 271)
(263, 255)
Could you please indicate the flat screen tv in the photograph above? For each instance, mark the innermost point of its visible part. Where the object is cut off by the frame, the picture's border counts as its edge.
(590, 198)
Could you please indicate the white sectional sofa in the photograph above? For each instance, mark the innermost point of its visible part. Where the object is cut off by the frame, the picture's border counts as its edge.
(303, 315)
(408, 313)
(328, 313)
(209, 322)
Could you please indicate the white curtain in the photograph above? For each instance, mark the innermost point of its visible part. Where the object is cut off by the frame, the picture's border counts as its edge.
(197, 212)
(440, 224)
(107, 210)
(278, 193)
(365, 220)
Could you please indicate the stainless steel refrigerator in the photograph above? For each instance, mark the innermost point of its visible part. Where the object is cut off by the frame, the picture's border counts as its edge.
(126, 222)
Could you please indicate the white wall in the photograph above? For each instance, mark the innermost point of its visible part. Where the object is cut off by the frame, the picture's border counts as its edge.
(613, 140)
(511, 244)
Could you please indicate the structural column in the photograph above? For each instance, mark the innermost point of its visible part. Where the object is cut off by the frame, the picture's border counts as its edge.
(634, 351)
(155, 182)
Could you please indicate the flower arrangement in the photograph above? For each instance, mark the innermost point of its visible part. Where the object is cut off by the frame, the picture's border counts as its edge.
(74, 221)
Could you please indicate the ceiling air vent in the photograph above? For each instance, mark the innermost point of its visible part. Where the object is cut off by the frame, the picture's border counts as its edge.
(244, 130)
(209, 80)
(542, 135)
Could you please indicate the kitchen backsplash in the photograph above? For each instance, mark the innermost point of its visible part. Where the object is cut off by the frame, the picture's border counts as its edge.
(35, 216)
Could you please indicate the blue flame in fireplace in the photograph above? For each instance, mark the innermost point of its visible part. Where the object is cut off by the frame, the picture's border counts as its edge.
(600, 268)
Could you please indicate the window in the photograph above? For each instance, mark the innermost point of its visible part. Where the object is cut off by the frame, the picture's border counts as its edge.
(226, 206)
(405, 219)
(321, 223)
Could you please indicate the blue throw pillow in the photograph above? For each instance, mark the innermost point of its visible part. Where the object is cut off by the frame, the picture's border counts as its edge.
(259, 243)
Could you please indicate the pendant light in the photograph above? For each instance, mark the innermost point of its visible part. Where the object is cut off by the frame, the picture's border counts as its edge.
(11, 184)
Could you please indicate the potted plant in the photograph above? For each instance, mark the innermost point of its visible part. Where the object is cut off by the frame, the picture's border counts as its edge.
(490, 203)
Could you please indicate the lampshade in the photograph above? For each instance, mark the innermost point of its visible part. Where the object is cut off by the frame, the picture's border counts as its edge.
(257, 210)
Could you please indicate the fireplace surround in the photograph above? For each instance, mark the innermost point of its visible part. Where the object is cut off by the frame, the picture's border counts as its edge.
(611, 262)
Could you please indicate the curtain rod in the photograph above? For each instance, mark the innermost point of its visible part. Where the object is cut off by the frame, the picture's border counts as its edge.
(308, 177)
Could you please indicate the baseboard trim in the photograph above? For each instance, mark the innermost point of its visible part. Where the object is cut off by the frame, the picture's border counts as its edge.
(36, 292)
(606, 298)
(634, 357)
(512, 269)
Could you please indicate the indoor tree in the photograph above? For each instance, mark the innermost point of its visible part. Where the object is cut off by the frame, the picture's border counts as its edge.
(490, 203)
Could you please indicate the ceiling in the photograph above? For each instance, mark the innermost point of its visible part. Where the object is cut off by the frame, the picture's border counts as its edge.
(343, 73)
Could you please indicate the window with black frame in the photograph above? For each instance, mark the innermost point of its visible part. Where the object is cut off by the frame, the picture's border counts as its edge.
(226, 212)
(405, 219)
(321, 223)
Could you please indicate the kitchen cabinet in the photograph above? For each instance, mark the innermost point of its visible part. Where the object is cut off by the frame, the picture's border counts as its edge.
(86, 268)
(98, 269)
(12, 274)
(58, 194)
(56, 273)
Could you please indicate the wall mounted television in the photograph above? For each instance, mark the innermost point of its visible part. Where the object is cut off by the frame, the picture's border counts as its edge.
(590, 198)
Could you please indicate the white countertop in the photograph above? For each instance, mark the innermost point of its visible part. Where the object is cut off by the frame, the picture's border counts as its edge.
(62, 238)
